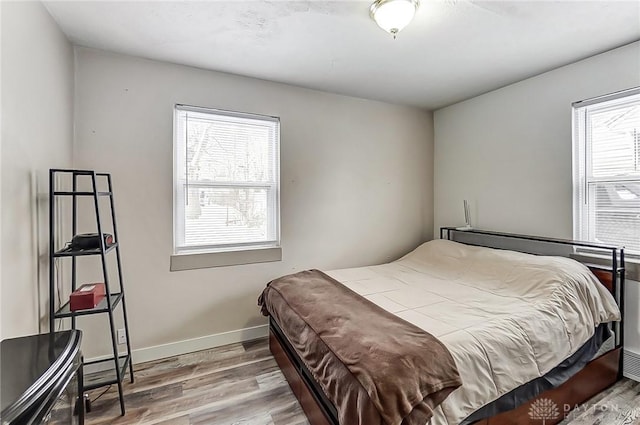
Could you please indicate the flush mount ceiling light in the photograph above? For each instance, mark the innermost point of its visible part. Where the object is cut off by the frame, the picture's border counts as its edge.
(393, 15)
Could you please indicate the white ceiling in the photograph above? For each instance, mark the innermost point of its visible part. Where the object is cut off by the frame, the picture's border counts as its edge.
(453, 50)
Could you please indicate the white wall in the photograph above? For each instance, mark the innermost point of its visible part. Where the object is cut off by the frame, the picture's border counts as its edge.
(509, 152)
(37, 134)
(356, 185)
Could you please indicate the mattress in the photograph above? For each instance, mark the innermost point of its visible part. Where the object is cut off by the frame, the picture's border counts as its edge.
(507, 318)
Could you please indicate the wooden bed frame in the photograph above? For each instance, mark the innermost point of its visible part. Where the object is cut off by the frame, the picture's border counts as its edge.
(596, 376)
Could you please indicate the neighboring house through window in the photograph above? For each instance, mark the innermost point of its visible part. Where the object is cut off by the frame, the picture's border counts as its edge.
(226, 181)
(607, 170)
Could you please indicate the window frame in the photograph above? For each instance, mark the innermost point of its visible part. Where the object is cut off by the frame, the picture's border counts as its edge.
(254, 250)
(583, 182)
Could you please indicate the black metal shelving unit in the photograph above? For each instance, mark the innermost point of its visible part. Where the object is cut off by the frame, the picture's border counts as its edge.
(121, 361)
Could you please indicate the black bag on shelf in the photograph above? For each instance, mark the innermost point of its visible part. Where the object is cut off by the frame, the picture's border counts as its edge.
(90, 241)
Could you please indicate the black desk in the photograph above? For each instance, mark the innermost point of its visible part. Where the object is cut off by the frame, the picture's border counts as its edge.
(41, 379)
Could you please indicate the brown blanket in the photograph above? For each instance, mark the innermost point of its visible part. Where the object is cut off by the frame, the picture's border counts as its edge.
(376, 368)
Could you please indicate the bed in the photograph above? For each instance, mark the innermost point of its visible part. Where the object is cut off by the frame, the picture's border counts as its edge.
(522, 327)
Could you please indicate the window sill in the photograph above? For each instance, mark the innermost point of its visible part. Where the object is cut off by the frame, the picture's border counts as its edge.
(191, 261)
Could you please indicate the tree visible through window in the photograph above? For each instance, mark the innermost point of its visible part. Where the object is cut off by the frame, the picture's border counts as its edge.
(226, 180)
(607, 170)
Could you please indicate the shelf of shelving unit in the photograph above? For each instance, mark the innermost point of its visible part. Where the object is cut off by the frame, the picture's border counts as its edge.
(68, 252)
(76, 193)
(102, 307)
(106, 377)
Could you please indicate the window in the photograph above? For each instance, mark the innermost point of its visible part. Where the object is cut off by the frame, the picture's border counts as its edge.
(226, 177)
(607, 170)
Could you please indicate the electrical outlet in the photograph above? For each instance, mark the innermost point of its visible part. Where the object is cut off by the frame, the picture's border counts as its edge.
(122, 337)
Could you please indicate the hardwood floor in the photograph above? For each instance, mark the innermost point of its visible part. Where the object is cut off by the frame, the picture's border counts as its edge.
(235, 384)
(619, 405)
(240, 384)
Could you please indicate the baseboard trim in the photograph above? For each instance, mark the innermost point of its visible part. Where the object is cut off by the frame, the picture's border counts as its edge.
(177, 348)
(631, 365)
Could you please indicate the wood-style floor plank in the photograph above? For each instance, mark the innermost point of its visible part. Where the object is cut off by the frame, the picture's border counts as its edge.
(240, 384)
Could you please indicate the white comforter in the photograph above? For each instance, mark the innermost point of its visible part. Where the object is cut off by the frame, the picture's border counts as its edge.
(506, 317)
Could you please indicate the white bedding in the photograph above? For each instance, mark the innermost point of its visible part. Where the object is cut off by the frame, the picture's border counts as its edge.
(506, 317)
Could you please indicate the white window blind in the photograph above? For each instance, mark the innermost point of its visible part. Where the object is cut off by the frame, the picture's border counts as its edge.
(226, 178)
(607, 170)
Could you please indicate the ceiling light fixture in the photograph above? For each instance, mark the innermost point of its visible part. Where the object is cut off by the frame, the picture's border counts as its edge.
(393, 15)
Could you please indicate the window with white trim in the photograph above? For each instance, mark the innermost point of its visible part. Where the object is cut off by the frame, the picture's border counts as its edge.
(226, 180)
(606, 167)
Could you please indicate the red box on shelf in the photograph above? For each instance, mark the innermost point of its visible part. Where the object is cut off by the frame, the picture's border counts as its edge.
(87, 296)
